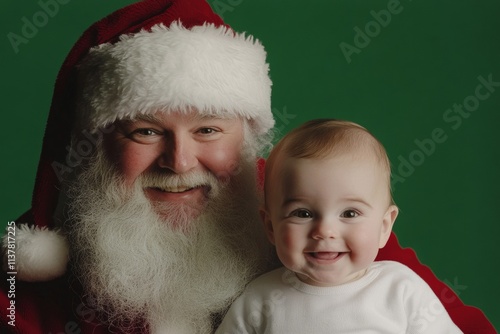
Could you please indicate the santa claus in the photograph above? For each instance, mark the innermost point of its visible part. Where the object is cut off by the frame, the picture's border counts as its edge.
(145, 209)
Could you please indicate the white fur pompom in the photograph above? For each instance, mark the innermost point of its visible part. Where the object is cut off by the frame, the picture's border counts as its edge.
(40, 254)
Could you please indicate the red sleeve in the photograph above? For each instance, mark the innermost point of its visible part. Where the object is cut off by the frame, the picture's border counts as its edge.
(469, 319)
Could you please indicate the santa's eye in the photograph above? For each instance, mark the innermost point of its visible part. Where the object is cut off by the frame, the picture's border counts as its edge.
(145, 135)
(301, 213)
(144, 132)
(349, 214)
(208, 131)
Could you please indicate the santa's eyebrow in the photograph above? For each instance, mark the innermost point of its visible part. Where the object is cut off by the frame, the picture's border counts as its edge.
(147, 118)
(204, 117)
(152, 118)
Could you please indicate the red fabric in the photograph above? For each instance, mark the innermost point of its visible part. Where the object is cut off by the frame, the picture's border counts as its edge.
(49, 308)
(261, 166)
(469, 319)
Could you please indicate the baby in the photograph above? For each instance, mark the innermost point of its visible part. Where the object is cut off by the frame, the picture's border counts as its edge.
(328, 210)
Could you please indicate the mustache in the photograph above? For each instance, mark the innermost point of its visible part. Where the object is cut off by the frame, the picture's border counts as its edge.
(193, 179)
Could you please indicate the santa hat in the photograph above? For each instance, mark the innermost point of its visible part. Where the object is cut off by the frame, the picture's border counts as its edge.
(153, 55)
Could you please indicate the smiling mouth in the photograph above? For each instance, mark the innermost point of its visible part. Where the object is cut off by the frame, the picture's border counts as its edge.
(175, 189)
(326, 255)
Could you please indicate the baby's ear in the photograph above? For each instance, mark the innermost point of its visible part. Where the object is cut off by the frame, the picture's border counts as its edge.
(268, 226)
(387, 223)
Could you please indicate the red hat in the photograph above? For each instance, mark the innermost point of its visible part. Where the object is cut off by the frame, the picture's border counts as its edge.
(149, 56)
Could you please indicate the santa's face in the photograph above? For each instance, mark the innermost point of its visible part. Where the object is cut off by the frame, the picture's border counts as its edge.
(175, 145)
(119, 241)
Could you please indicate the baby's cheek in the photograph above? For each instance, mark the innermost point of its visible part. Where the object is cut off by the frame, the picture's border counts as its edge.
(364, 250)
(289, 237)
(294, 241)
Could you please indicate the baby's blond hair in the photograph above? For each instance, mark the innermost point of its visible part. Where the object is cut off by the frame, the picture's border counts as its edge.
(321, 138)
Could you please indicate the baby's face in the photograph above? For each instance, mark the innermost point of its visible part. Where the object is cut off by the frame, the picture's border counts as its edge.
(328, 217)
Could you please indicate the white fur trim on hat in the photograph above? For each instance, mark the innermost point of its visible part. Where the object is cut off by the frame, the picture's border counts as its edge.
(209, 69)
(40, 254)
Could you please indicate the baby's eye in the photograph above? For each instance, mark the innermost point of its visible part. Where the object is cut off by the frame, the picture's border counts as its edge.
(301, 213)
(349, 214)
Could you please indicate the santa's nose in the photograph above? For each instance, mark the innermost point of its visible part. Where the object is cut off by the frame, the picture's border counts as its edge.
(179, 154)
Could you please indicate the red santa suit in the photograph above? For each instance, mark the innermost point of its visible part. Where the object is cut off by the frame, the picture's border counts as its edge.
(38, 295)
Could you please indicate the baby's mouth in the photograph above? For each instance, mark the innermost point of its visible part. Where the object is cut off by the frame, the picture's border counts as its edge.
(325, 255)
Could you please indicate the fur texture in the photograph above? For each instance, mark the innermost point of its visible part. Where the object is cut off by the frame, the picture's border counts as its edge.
(211, 69)
(40, 254)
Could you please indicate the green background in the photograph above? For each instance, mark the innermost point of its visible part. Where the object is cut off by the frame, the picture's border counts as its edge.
(399, 85)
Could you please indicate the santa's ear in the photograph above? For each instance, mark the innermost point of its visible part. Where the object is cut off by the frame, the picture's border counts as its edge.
(387, 223)
(268, 226)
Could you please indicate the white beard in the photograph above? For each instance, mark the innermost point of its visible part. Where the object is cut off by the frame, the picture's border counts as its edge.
(139, 269)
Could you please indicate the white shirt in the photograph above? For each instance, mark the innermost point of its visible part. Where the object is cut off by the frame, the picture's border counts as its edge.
(389, 298)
